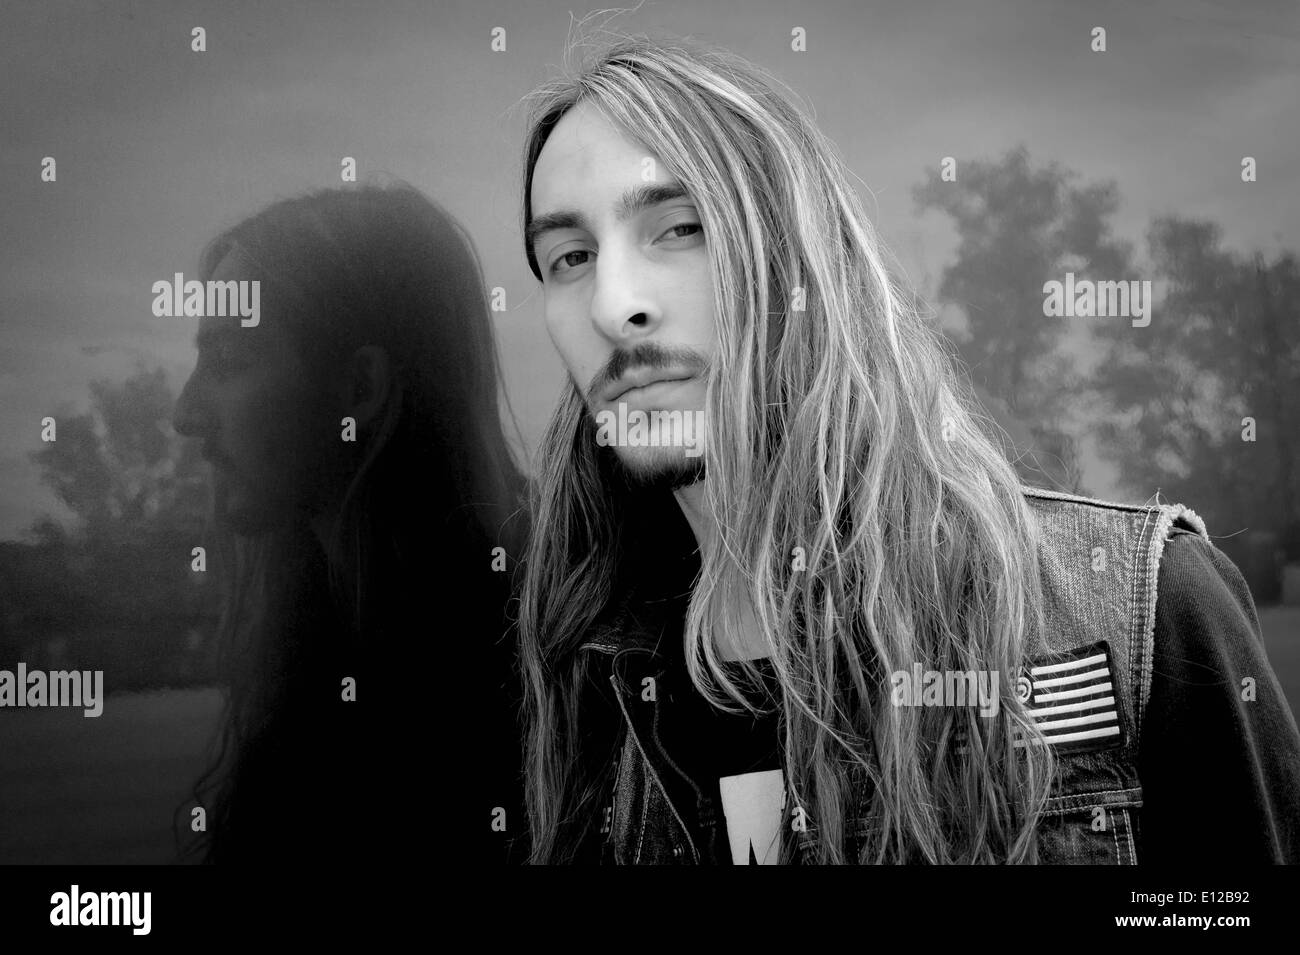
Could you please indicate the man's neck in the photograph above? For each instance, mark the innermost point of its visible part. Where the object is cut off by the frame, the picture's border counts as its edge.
(691, 500)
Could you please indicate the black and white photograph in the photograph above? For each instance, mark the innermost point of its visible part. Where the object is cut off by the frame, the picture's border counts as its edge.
(470, 435)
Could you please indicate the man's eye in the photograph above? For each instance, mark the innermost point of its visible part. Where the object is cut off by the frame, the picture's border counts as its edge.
(684, 225)
(566, 260)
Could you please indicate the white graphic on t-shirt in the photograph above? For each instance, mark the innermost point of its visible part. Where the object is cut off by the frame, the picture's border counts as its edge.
(752, 806)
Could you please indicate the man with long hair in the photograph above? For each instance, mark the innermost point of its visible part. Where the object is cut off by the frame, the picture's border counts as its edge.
(837, 628)
(362, 484)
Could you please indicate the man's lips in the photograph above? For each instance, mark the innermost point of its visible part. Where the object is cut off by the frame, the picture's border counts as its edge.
(633, 392)
(630, 383)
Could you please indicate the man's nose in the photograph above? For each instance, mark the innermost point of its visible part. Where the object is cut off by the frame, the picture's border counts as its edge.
(623, 305)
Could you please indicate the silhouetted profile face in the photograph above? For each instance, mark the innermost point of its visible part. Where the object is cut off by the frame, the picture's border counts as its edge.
(628, 290)
(265, 428)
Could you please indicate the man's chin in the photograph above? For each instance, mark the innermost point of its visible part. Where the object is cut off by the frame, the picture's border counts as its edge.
(667, 469)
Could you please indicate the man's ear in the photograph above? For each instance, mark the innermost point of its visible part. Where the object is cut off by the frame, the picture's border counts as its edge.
(367, 384)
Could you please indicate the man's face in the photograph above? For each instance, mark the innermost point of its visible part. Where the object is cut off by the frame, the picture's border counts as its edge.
(264, 431)
(628, 290)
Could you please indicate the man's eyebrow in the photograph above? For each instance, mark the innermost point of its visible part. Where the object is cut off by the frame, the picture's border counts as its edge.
(636, 199)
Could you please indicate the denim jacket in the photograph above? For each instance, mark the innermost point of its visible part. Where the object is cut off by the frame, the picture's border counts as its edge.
(1098, 564)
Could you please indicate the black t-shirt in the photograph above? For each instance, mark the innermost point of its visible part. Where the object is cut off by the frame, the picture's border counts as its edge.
(730, 763)
(1220, 775)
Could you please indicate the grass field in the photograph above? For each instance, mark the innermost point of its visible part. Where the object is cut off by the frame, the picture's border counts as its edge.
(101, 790)
(95, 791)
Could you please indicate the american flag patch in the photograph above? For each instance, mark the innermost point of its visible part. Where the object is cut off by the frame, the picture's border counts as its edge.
(1073, 699)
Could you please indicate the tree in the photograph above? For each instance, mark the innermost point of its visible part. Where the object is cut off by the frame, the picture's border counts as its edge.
(1223, 346)
(1020, 226)
(120, 465)
(118, 583)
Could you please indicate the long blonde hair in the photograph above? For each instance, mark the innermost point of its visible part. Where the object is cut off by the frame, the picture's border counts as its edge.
(837, 424)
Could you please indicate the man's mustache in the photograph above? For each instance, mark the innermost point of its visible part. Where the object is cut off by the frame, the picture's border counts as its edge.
(650, 355)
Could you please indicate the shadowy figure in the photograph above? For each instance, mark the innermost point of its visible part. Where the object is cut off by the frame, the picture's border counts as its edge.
(361, 482)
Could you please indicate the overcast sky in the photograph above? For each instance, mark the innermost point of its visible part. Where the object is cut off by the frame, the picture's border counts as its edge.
(158, 147)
